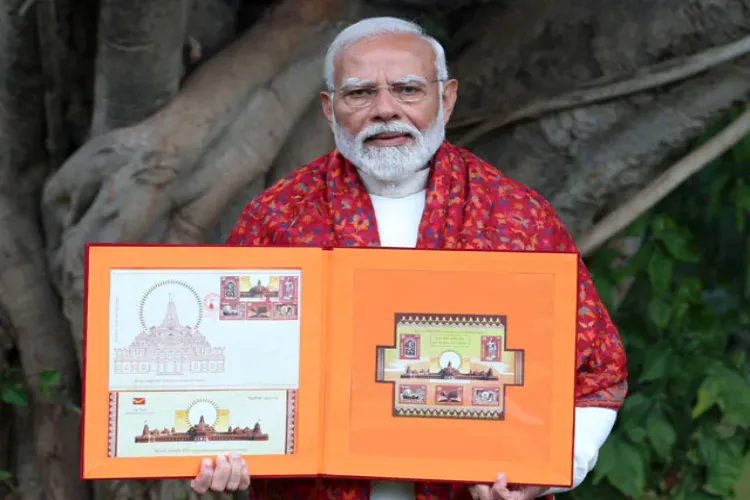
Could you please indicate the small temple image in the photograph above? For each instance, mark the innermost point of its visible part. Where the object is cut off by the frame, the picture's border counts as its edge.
(169, 349)
(448, 373)
(201, 432)
(259, 290)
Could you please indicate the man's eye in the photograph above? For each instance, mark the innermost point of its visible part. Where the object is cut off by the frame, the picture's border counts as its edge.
(409, 89)
(359, 92)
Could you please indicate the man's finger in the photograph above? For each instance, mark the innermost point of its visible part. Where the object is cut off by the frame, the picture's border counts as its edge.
(501, 493)
(500, 489)
(221, 474)
(481, 492)
(244, 477)
(202, 481)
(235, 471)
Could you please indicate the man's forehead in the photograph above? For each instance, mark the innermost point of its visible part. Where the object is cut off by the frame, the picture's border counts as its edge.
(389, 57)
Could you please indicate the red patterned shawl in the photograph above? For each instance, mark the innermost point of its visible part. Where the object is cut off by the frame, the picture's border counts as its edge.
(469, 205)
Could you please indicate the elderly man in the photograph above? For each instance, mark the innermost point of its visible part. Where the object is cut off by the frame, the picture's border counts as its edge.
(393, 181)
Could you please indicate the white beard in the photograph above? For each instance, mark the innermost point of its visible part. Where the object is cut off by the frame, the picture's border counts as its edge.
(391, 164)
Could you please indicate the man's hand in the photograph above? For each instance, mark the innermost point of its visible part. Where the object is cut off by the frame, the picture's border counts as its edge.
(229, 475)
(501, 491)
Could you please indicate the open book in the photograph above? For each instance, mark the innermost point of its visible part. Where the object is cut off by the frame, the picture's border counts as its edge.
(376, 363)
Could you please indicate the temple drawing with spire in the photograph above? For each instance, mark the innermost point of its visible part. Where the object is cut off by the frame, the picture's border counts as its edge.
(169, 349)
(201, 432)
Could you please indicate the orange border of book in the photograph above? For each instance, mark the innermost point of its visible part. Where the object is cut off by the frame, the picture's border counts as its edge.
(351, 433)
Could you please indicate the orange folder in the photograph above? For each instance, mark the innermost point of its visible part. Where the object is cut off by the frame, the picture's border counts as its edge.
(372, 363)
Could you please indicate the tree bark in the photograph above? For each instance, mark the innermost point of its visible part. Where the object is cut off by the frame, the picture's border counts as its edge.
(169, 177)
(139, 64)
(42, 340)
(30, 484)
(6, 411)
(583, 159)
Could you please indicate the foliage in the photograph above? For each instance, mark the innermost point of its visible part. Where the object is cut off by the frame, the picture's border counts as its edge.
(684, 430)
(13, 392)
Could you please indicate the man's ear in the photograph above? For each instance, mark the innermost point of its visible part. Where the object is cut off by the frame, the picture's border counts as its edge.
(450, 94)
(326, 100)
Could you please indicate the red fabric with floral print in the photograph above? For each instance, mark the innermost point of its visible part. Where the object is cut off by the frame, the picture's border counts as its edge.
(469, 205)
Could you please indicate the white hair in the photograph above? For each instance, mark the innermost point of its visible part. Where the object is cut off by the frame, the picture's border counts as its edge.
(373, 28)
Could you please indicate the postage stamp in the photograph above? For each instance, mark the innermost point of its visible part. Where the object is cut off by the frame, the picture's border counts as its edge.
(412, 394)
(285, 311)
(231, 311)
(486, 396)
(409, 347)
(259, 287)
(258, 310)
(288, 289)
(449, 395)
(491, 348)
(230, 288)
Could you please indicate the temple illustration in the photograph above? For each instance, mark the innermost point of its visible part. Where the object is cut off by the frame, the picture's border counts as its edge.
(169, 349)
(449, 373)
(201, 432)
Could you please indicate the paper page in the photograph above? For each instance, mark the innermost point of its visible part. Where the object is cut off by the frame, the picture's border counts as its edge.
(451, 366)
(203, 362)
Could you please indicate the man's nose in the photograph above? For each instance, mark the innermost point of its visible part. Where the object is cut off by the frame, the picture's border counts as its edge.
(385, 107)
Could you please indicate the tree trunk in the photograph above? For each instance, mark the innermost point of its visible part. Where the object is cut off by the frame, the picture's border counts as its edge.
(102, 129)
(139, 64)
(34, 319)
(582, 159)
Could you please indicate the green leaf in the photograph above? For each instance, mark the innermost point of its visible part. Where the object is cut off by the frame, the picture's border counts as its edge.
(633, 416)
(637, 433)
(739, 360)
(661, 434)
(724, 468)
(662, 224)
(5, 475)
(675, 239)
(640, 260)
(740, 195)
(742, 487)
(734, 397)
(607, 459)
(697, 495)
(656, 364)
(680, 247)
(47, 380)
(639, 226)
(629, 475)
(13, 394)
(728, 389)
(49, 377)
(660, 271)
(605, 287)
(690, 290)
(659, 312)
(716, 193)
(708, 396)
(688, 483)
(741, 150)
(636, 407)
